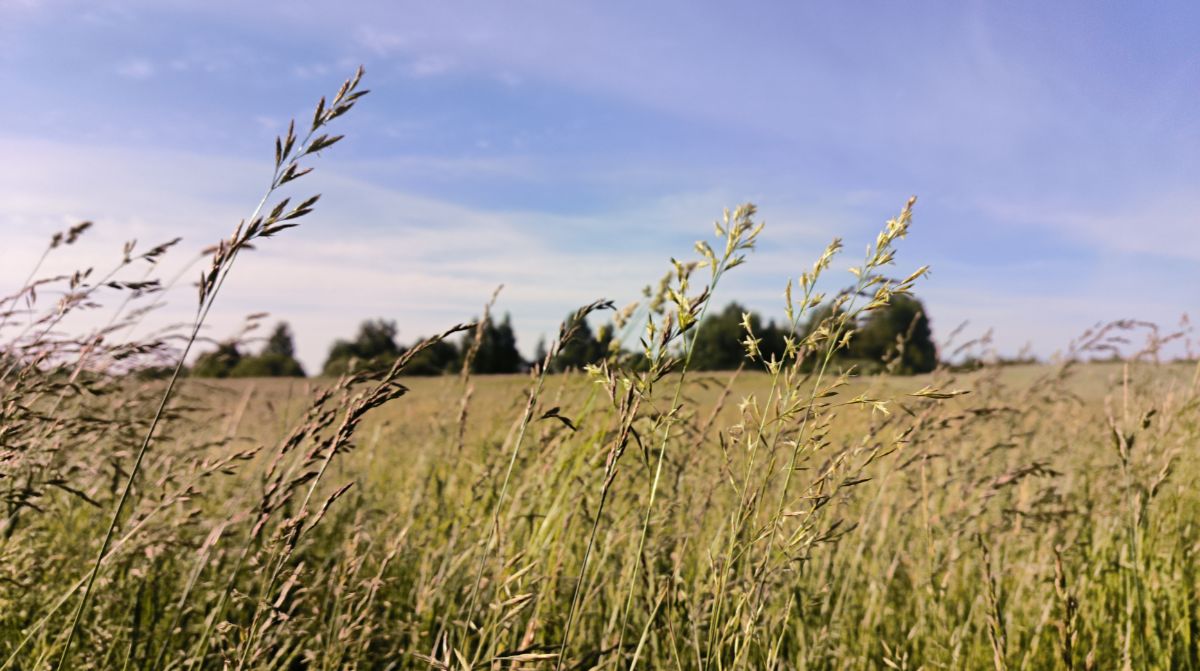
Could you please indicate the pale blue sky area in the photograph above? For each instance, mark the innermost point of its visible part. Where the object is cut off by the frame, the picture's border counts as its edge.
(569, 149)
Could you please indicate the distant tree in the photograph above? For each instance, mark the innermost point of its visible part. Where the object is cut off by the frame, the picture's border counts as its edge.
(374, 348)
(817, 316)
(720, 340)
(772, 340)
(163, 372)
(903, 321)
(604, 342)
(497, 350)
(824, 314)
(439, 358)
(717, 344)
(539, 352)
(219, 363)
(280, 341)
(876, 337)
(267, 365)
(583, 347)
(275, 360)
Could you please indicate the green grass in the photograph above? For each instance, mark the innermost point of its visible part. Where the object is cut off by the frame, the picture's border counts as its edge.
(887, 572)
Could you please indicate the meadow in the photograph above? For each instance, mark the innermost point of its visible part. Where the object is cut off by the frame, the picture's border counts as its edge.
(792, 515)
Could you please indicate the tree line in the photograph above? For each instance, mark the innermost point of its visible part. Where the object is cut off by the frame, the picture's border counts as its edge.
(897, 336)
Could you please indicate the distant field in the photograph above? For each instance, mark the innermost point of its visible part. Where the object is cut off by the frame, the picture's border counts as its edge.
(497, 401)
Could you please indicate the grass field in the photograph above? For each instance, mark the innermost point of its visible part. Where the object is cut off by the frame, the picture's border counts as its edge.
(1006, 527)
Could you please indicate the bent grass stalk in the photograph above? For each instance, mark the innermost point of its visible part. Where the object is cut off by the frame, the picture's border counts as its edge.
(287, 168)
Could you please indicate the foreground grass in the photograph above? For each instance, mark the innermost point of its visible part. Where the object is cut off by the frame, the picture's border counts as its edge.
(1008, 528)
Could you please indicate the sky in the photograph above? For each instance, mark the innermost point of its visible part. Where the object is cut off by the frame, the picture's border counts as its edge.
(568, 150)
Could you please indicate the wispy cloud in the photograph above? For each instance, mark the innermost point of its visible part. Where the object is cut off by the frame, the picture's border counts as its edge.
(21, 5)
(138, 68)
(381, 42)
(1165, 224)
(369, 251)
(415, 62)
(430, 65)
(310, 71)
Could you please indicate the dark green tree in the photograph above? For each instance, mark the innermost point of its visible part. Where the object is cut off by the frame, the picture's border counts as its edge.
(717, 341)
(539, 352)
(720, 340)
(583, 347)
(439, 358)
(280, 341)
(374, 348)
(497, 349)
(903, 321)
(267, 365)
(772, 343)
(219, 363)
(824, 314)
(277, 358)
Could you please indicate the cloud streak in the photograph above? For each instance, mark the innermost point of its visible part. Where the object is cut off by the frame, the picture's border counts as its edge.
(368, 251)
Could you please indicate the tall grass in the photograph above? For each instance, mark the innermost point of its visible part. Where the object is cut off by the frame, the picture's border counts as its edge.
(635, 515)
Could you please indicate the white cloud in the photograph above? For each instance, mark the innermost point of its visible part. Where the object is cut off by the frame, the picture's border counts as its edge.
(138, 68)
(1048, 323)
(269, 124)
(1165, 224)
(368, 251)
(379, 42)
(310, 71)
(387, 44)
(21, 5)
(430, 66)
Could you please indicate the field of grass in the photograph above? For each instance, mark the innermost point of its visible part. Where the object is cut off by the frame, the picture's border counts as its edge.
(632, 515)
(1044, 520)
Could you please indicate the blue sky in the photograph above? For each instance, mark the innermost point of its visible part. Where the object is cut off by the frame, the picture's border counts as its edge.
(569, 149)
